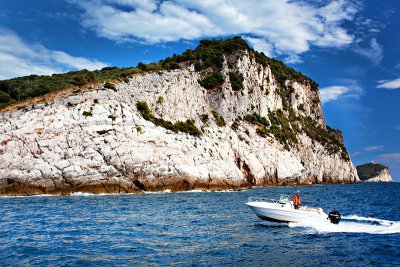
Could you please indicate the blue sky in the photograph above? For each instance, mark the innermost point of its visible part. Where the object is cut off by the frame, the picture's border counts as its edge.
(350, 47)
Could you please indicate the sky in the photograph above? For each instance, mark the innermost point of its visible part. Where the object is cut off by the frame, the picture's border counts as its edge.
(351, 48)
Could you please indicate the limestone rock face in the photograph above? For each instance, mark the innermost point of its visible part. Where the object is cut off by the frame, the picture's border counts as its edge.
(373, 172)
(95, 139)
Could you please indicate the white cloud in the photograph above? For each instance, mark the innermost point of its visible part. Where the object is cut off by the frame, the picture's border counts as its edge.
(393, 158)
(391, 85)
(373, 148)
(367, 149)
(374, 51)
(17, 58)
(347, 88)
(293, 59)
(332, 93)
(149, 5)
(261, 45)
(278, 26)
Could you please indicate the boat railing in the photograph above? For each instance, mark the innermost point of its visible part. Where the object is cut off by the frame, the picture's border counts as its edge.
(265, 199)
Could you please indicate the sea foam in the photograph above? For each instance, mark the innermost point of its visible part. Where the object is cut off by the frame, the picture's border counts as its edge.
(353, 224)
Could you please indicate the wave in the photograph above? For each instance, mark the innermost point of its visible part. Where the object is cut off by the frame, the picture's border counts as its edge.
(210, 191)
(83, 194)
(192, 191)
(368, 219)
(42, 195)
(166, 191)
(353, 224)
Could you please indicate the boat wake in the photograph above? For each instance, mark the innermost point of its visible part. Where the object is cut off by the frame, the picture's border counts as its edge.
(353, 224)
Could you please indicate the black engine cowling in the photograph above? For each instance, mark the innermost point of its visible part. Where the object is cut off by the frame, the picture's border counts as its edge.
(334, 217)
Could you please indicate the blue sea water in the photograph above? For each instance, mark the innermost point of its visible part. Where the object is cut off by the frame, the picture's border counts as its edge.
(200, 229)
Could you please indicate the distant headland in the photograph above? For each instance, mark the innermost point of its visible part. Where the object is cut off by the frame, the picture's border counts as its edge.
(374, 172)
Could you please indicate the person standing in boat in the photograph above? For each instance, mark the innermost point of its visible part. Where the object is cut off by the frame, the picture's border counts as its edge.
(297, 200)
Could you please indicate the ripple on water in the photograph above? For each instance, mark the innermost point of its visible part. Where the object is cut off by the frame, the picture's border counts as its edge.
(199, 228)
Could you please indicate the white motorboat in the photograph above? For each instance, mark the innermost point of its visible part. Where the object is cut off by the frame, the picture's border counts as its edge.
(283, 210)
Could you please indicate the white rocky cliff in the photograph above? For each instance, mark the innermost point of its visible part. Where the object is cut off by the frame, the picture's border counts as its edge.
(95, 139)
(373, 172)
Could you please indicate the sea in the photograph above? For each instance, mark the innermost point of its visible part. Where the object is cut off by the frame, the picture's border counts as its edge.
(201, 229)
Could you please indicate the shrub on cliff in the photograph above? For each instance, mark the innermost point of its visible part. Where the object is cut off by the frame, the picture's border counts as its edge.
(235, 124)
(204, 118)
(219, 120)
(109, 86)
(4, 97)
(255, 118)
(328, 137)
(87, 113)
(187, 126)
(79, 80)
(170, 65)
(262, 131)
(214, 80)
(236, 80)
(144, 110)
(282, 129)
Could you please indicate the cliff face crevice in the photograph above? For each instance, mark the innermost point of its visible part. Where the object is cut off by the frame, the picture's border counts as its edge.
(98, 141)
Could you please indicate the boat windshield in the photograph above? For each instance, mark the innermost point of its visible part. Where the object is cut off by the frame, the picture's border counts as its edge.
(283, 199)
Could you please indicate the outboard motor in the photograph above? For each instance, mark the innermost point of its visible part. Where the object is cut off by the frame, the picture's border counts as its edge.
(334, 217)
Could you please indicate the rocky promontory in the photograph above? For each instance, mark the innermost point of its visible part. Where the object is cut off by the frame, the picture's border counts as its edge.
(374, 172)
(222, 116)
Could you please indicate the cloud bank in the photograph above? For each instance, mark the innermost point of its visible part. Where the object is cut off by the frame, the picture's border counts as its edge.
(274, 27)
(347, 88)
(373, 148)
(331, 93)
(373, 52)
(390, 85)
(18, 58)
(392, 158)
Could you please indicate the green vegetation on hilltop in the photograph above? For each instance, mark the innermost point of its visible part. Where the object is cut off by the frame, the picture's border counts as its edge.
(109, 86)
(208, 55)
(23, 88)
(369, 170)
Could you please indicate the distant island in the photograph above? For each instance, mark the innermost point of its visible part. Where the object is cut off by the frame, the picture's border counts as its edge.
(221, 116)
(374, 172)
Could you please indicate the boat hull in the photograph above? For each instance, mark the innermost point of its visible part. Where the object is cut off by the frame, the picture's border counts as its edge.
(276, 212)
